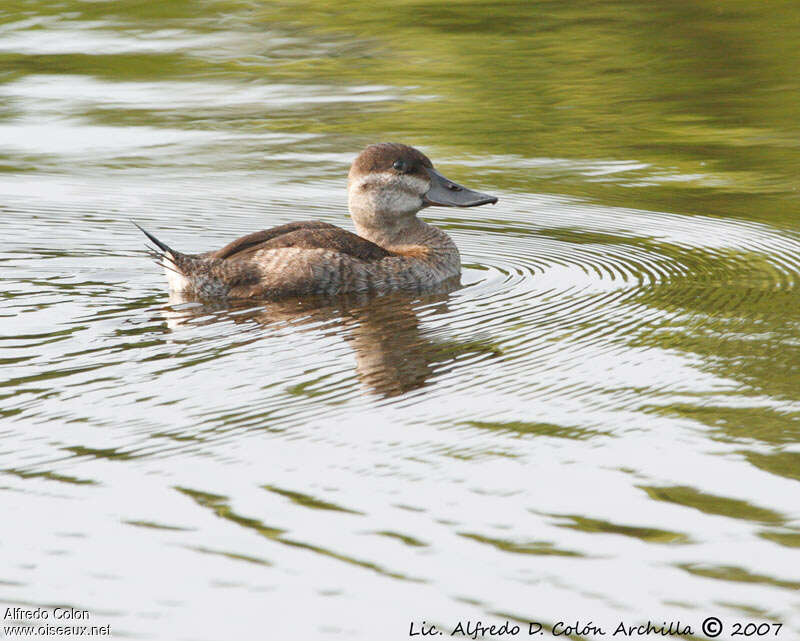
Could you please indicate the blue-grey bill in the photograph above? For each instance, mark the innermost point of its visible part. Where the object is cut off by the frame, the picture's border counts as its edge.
(445, 192)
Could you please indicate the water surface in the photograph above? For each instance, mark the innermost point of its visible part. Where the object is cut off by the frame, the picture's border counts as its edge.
(600, 423)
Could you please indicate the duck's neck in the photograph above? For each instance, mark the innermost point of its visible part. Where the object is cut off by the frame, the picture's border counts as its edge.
(403, 235)
(389, 232)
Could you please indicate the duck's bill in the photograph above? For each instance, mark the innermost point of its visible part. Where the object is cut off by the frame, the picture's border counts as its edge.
(446, 193)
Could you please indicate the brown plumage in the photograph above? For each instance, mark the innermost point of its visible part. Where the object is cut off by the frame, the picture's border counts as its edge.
(381, 157)
(388, 184)
(312, 234)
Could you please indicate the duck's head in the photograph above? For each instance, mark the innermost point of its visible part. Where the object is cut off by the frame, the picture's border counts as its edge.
(389, 183)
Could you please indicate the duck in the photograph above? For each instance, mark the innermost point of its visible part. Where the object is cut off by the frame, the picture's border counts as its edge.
(388, 185)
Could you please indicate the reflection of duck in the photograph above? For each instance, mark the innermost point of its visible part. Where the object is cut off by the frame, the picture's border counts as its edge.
(393, 355)
(388, 185)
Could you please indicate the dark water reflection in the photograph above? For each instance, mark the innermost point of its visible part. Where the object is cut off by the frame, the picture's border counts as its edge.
(602, 422)
(393, 355)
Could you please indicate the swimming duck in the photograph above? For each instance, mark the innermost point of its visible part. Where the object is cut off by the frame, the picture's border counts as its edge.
(388, 185)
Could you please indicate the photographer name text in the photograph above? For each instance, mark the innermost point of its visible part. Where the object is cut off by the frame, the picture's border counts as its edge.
(711, 627)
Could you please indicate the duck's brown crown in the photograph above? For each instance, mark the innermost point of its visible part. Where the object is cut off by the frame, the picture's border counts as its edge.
(383, 156)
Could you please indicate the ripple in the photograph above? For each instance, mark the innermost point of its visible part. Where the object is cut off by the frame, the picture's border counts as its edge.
(603, 281)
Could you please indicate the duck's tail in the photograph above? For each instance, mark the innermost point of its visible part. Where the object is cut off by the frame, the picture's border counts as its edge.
(162, 253)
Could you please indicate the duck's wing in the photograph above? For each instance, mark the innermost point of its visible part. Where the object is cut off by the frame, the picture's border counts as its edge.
(305, 235)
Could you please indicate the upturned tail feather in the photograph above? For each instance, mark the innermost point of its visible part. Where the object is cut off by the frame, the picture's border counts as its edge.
(164, 254)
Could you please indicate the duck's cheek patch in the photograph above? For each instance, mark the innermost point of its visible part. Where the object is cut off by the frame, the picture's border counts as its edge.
(415, 185)
(397, 201)
(389, 193)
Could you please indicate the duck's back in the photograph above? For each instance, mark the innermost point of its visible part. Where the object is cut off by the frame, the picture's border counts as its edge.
(303, 235)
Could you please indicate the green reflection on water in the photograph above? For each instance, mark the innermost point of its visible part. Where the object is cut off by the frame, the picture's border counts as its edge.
(542, 548)
(219, 506)
(647, 534)
(710, 504)
(731, 573)
(697, 97)
(699, 92)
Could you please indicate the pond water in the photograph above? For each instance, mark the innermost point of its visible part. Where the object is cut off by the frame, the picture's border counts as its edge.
(601, 424)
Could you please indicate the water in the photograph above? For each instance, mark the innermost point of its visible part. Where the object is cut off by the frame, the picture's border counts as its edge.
(600, 424)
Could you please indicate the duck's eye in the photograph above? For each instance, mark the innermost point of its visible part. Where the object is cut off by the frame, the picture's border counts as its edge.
(399, 165)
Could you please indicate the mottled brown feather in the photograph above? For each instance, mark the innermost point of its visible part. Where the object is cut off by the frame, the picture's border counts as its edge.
(303, 235)
(247, 242)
